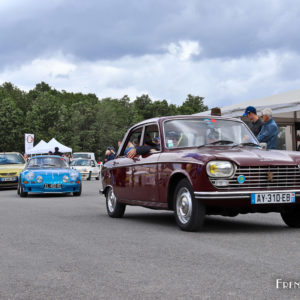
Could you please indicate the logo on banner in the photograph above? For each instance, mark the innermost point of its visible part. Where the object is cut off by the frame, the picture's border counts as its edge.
(30, 139)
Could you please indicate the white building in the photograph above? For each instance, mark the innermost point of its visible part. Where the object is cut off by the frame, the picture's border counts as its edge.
(286, 113)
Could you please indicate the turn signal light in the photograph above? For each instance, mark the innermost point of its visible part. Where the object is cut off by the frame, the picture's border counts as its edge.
(25, 181)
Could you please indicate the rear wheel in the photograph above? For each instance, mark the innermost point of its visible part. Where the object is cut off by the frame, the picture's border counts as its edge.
(292, 217)
(189, 212)
(114, 208)
(98, 177)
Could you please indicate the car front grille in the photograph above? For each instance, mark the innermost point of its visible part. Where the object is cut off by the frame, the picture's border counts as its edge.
(264, 177)
(8, 174)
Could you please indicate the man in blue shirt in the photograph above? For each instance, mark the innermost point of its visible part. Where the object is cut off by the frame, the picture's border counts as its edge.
(269, 130)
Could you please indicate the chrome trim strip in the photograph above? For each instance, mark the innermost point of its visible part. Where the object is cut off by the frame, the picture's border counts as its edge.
(238, 195)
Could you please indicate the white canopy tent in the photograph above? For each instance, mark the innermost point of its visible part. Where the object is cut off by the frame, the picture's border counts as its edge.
(285, 105)
(54, 143)
(286, 112)
(43, 147)
(38, 148)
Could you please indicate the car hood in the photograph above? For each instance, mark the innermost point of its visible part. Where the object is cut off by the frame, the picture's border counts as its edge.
(245, 156)
(12, 168)
(50, 173)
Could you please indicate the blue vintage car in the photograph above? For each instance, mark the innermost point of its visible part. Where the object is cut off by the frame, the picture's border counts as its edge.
(49, 174)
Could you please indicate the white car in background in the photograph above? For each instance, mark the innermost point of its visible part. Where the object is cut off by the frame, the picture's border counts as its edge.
(87, 155)
(87, 167)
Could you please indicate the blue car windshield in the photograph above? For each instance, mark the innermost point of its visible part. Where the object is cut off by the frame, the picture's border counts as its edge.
(47, 162)
(11, 158)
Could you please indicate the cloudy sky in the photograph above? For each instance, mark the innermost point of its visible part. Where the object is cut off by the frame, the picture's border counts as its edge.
(226, 51)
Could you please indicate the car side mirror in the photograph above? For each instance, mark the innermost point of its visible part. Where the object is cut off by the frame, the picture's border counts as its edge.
(263, 146)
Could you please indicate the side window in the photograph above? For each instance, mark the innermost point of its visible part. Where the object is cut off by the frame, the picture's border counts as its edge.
(152, 138)
(133, 140)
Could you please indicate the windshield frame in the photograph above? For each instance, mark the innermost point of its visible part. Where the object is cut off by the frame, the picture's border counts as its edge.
(199, 119)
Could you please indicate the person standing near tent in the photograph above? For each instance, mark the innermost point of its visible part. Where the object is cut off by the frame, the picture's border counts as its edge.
(56, 152)
(255, 122)
(269, 130)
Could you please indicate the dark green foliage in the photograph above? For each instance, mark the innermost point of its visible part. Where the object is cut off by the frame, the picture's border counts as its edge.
(80, 121)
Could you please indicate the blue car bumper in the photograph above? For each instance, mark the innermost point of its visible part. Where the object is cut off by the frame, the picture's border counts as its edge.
(40, 188)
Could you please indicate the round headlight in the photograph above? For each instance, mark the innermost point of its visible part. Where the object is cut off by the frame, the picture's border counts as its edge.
(65, 178)
(219, 168)
(29, 176)
(73, 175)
(39, 179)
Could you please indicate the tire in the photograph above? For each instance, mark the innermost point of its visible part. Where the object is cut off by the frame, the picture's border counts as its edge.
(79, 192)
(114, 208)
(291, 218)
(189, 212)
(90, 176)
(98, 177)
(21, 191)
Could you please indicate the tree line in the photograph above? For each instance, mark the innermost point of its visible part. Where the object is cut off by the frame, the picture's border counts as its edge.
(80, 121)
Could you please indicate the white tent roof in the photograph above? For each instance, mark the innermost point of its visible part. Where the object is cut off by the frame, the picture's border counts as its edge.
(38, 148)
(54, 143)
(282, 104)
(50, 146)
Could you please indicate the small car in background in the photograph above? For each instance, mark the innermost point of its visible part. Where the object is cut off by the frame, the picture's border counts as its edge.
(49, 174)
(88, 168)
(198, 166)
(11, 165)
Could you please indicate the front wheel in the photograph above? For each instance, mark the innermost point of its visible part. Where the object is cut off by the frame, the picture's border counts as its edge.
(189, 212)
(291, 218)
(114, 208)
(79, 192)
(21, 191)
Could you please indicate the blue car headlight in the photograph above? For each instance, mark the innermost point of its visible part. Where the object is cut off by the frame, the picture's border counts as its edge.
(65, 179)
(73, 175)
(29, 176)
(39, 179)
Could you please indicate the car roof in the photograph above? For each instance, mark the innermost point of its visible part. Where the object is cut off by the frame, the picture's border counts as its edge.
(156, 120)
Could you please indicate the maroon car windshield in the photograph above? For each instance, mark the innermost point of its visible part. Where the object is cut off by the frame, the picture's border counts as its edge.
(179, 133)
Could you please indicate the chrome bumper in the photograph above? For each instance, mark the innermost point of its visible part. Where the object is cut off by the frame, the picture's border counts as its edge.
(238, 195)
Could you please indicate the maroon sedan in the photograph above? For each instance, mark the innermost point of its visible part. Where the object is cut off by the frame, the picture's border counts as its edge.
(199, 166)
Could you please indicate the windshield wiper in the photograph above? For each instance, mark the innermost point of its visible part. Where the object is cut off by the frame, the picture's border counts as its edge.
(221, 142)
(249, 144)
(47, 165)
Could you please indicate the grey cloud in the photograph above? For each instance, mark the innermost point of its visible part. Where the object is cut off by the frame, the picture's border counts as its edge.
(92, 30)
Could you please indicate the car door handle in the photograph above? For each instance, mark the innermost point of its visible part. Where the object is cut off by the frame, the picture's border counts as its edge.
(136, 159)
(115, 163)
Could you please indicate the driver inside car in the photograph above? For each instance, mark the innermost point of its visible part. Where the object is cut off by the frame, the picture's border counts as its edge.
(148, 147)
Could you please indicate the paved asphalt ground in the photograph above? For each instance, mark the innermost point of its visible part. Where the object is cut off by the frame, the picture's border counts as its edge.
(65, 247)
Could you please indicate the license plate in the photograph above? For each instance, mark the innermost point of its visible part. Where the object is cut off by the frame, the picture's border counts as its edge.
(271, 198)
(52, 186)
(9, 179)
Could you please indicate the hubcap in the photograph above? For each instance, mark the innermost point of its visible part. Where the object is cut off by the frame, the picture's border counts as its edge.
(111, 200)
(184, 205)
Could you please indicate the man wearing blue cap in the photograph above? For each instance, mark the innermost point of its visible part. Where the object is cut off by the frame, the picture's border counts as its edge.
(255, 121)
